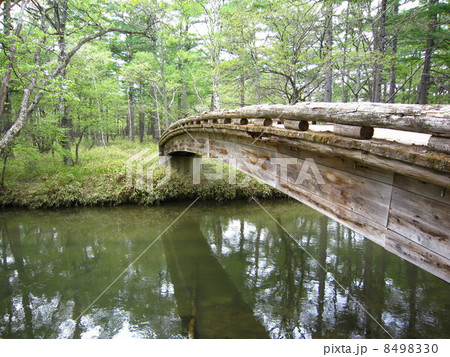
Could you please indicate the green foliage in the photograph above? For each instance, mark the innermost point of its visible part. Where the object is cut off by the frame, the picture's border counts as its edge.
(37, 180)
(179, 55)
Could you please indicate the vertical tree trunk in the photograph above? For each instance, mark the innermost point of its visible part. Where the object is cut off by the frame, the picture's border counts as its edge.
(156, 122)
(328, 46)
(215, 99)
(422, 88)
(344, 93)
(164, 86)
(242, 89)
(214, 27)
(60, 9)
(392, 83)
(130, 113)
(379, 34)
(5, 105)
(141, 126)
(358, 67)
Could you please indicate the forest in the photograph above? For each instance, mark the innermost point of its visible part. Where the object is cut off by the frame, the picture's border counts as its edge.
(82, 73)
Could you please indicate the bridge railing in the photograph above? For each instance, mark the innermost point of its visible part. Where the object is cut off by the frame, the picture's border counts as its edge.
(356, 120)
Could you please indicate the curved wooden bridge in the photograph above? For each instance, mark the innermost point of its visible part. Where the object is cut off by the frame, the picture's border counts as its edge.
(393, 193)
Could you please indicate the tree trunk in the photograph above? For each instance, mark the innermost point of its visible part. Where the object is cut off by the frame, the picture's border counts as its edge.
(25, 110)
(77, 147)
(242, 89)
(422, 88)
(156, 122)
(141, 126)
(164, 86)
(5, 105)
(392, 84)
(379, 35)
(215, 99)
(344, 94)
(328, 46)
(60, 9)
(130, 113)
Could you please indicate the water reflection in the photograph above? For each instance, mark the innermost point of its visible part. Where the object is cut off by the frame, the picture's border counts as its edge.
(209, 304)
(223, 271)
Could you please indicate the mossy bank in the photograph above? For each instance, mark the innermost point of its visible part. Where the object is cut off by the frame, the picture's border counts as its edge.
(36, 180)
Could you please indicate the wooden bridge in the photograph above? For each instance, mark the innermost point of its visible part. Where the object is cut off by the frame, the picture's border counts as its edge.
(394, 193)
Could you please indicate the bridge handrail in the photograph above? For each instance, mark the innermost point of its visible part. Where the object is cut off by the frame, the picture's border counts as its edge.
(429, 119)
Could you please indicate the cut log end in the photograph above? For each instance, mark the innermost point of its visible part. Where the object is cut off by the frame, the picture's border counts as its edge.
(301, 125)
(353, 131)
(262, 122)
(242, 121)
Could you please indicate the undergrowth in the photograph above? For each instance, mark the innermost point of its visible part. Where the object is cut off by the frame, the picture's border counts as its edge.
(37, 180)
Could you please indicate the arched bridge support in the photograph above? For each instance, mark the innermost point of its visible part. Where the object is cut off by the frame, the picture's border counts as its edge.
(395, 195)
(182, 162)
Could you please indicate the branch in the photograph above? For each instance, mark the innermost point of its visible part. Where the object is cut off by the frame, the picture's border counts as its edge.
(10, 6)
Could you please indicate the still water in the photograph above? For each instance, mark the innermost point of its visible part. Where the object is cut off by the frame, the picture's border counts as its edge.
(221, 271)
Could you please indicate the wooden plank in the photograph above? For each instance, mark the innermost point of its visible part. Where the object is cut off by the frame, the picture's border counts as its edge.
(256, 162)
(352, 166)
(411, 251)
(421, 219)
(360, 224)
(422, 188)
(364, 196)
(368, 197)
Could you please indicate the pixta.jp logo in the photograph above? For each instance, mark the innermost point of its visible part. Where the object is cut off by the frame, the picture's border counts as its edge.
(147, 171)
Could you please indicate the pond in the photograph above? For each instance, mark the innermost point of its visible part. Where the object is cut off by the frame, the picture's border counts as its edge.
(225, 270)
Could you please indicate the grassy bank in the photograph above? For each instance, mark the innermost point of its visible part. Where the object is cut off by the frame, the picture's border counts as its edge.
(36, 180)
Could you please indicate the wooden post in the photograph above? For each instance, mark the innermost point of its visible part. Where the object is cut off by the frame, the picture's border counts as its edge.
(301, 125)
(358, 132)
(262, 122)
(439, 144)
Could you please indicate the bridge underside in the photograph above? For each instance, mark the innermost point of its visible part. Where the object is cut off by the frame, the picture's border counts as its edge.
(406, 215)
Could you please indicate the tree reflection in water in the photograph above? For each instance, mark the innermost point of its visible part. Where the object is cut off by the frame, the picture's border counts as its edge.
(223, 271)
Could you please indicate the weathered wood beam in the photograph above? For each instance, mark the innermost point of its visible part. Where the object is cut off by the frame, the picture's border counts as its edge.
(429, 119)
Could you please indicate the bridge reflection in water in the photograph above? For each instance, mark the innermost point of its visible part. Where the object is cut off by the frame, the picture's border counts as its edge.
(227, 270)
